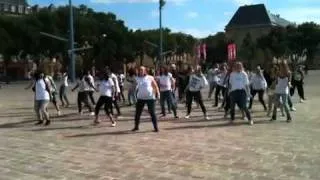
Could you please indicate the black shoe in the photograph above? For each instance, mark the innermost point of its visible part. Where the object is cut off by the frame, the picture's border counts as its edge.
(47, 123)
(273, 118)
(38, 123)
(289, 120)
(135, 129)
(156, 130)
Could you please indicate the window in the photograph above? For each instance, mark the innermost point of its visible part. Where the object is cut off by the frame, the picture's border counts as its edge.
(13, 8)
(20, 9)
(5, 7)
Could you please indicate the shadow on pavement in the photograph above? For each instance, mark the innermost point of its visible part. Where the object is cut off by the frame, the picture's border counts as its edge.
(59, 128)
(16, 124)
(127, 132)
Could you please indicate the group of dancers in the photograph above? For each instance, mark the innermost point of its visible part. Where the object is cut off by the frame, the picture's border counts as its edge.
(229, 82)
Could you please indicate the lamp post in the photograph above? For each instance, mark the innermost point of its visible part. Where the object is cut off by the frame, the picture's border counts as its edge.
(72, 65)
(161, 5)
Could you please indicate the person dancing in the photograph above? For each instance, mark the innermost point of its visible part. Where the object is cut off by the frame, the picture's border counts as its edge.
(147, 92)
(197, 82)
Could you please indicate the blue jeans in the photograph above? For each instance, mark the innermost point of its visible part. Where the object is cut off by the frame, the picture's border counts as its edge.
(151, 103)
(168, 97)
(281, 99)
(132, 96)
(239, 97)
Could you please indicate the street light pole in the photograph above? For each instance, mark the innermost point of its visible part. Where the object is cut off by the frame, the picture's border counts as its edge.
(72, 64)
(161, 4)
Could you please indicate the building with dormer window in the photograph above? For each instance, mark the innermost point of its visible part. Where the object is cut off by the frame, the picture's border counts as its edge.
(14, 7)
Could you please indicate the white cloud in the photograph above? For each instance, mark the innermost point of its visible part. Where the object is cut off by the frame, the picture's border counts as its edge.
(192, 15)
(177, 2)
(243, 2)
(300, 14)
(198, 33)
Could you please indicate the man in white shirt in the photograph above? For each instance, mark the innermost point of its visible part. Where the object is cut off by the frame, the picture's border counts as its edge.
(91, 90)
(212, 77)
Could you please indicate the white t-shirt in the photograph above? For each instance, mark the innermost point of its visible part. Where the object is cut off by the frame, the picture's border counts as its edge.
(238, 81)
(131, 82)
(144, 87)
(165, 83)
(40, 90)
(92, 82)
(196, 83)
(221, 78)
(115, 79)
(213, 75)
(121, 79)
(106, 87)
(282, 86)
(258, 82)
(65, 81)
(83, 84)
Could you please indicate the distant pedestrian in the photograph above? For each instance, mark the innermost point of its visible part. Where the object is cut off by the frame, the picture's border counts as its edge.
(63, 90)
(258, 85)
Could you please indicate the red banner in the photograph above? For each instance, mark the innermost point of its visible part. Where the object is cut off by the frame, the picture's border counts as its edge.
(232, 52)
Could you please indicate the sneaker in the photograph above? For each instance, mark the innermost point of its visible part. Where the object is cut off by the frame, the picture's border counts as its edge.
(245, 119)
(47, 123)
(113, 124)
(38, 123)
(59, 113)
(301, 101)
(251, 122)
(289, 120)
(156, 130)
(135, 129)
(206, 117)
(92, 114)
(187, 117)
(176, 117)
(293, 109)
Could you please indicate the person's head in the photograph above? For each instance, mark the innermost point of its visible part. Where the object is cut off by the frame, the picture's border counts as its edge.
(238, 67)
(88, 72)
(215, 65)
(223, 68)
(107, 70)
(164, 70)
(131, 72)
(258, 71)
(173, 67)
(142, 71)
(198, 70)
(37, 75)
(284, 69)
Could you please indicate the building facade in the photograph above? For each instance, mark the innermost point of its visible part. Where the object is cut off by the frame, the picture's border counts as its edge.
(14, 7)
(253, 19)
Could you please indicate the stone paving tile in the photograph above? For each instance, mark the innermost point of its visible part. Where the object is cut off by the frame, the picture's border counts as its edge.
(71, 148)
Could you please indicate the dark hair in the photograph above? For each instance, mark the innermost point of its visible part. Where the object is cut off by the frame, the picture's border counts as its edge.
(163, 71)
(131, 72)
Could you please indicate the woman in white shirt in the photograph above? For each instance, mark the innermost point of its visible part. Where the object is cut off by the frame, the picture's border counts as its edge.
(212, 77)
(63, 90)
(42, 99)
(282, 91)
(167, 85)
(258, 85)
(197, 82)
(239, 91)
(84, 85)
(147, 91)
(221, 86)
(107, 93)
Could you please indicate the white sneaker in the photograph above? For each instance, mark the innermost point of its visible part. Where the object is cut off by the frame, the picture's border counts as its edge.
(187, 117)
(245, 119)
(92, 114)
(251, 122)
(59, 113)
(301, 101)
(293, 109)
(114, 124)
(206, 117)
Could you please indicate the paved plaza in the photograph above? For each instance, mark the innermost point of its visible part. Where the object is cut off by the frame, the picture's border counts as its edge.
(72, 148)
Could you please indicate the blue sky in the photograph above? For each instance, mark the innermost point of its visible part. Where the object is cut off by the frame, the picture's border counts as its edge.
(197, 17)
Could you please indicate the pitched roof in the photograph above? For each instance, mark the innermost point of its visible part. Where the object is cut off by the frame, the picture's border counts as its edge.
(255, 15)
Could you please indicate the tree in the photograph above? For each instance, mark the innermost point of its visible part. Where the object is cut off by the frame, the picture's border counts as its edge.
(248, 50)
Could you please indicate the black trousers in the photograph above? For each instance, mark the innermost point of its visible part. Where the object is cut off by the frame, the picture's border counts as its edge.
(107, 102)
(260, 95)
(299, 86)
(116, 105)
(239, 97)
(198, 98)
(90, 93)
(152, 111)
(219, 89)
(83, 98)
